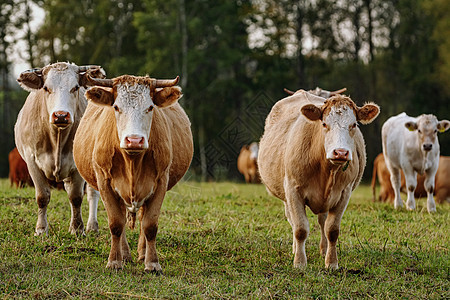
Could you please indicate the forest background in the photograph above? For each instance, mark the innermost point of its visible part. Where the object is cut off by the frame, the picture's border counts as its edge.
(235, 57)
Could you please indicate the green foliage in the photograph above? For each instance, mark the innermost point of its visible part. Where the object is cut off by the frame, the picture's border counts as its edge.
(224, 240)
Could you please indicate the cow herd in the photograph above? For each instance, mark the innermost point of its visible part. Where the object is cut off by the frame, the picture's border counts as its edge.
(128, 141)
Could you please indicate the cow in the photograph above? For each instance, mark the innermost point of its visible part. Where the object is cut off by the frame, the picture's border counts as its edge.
(411, 145)
(247, 162)
(44, 133)
(18, 170)
(312, 153)
(134, 143)
(442, 181)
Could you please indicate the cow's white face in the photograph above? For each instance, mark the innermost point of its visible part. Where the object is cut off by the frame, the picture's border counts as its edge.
(60, 84)
(134, 108)
(427, 128)
(339, 116)
(61, 90)
(134, 113)
(339, 127)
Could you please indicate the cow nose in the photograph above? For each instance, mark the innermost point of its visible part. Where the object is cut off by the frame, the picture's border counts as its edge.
(61, 117)
(340, 154)
(134, 141)
(427, 147)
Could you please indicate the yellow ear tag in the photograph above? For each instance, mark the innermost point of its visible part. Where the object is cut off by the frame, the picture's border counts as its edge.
(442, 130)
(410, 128)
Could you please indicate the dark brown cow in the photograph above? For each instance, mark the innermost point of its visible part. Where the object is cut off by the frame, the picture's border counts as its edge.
(18, 171)
(134, 143)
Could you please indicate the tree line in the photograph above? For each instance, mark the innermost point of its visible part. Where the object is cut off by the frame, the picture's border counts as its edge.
(235, 57)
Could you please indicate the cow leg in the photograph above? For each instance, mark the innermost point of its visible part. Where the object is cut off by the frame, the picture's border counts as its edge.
(288, 217)
(411, 183)
(323, 238)
(299, 223)
(92, 198)
(396, 184)
(126, 253)
(429, 187)
(75, 189)
(42, 193)
(332, 228)
(149, 228)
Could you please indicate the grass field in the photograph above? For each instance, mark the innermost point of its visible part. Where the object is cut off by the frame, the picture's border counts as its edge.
(231, 241)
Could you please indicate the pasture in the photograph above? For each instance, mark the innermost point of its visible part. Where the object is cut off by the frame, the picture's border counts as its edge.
(230, 241)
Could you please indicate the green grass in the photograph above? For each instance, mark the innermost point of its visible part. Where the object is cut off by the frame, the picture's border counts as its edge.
(227, 240)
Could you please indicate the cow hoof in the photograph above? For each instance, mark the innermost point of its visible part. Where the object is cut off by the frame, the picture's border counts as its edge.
(300, 266)
(127, 258)
(154, 268)
(432, 209)
(92, 227)
(332, 267)
(155, 272)
(41, 231)
(114, 265)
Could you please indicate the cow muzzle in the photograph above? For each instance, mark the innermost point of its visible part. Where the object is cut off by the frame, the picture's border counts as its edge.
(134, 143)
(427, 147)
(61, 118)
(340, 156)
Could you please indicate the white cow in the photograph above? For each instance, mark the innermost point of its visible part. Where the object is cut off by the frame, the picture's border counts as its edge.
(411, 144)
(44, 133)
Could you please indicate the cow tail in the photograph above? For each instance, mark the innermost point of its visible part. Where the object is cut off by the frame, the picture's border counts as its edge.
(131, 220)
(374, 182)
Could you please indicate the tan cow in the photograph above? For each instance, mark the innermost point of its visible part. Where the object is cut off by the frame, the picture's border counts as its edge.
(313, 154)
(44, 133)
(133, 144)
(247, 163)
(442, 181)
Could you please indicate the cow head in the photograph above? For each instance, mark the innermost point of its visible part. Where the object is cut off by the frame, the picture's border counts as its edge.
(60, 84)
(427, 128)
(134, 100)
(340, 116)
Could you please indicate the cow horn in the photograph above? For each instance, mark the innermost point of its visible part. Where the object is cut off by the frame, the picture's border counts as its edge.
(160, 83)
(338, 92)
(35, 70)
(289, 92)
(85, 68)
(100, 81)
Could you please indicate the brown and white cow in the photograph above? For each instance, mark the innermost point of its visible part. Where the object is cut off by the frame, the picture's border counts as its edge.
(411, 145)
(442, 181)
(44, 133)
(313, 154)
(134, 143)
(18, 171)
(247, 163)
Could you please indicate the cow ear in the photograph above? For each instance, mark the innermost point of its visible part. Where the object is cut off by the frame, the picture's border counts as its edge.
(312, 112)
(443, 125)
(368, 113)
(167, 96)
(30, 81)
(411, 126)
(100, 95)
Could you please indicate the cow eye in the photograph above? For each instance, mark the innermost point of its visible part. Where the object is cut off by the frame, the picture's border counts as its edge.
(46, 89)
(149, 109)
(419, 131)
(353, 126)
(75, 88)
(116, 108)
(324, 125)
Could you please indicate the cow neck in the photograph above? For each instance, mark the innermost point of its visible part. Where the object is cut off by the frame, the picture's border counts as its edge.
(134, 169)
(331, 180)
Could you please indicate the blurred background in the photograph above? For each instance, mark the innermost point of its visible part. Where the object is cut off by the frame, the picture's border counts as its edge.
(235, 57)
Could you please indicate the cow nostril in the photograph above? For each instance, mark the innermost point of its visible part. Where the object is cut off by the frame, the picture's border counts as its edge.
(340, 153)
(61, 117)
(427, 147)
